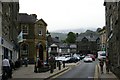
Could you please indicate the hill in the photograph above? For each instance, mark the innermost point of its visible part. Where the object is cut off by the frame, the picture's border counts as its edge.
(62, 36)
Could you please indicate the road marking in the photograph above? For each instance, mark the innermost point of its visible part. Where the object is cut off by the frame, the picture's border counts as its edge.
(96, 74)
(61, 73)
(90, 77)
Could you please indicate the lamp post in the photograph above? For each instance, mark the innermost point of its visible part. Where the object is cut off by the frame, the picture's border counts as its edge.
(47, 34)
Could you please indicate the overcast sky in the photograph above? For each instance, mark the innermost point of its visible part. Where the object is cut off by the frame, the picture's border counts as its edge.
(66, 14)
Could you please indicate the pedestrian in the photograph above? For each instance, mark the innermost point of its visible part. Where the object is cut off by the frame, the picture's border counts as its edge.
(26, 62)
(51, 62)
(107, 65)
(101, 65)
(5, 68)
(11, 67)
(39, 64)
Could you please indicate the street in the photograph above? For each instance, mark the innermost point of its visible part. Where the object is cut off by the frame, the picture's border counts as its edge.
(83, 70)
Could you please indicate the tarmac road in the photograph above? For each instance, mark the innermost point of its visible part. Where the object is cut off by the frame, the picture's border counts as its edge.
(83, 71)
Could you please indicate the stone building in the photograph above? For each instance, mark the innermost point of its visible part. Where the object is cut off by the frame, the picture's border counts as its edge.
(8, 30)
(53, 45)
(112, 14)
(87, 42)
(26, 25)
(103, 40)
(33, 44)
(40, 39)
(64, 49)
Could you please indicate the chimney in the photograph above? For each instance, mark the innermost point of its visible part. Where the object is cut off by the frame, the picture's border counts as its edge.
(34, 15)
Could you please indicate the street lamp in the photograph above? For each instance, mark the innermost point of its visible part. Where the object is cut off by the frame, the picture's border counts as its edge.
(47, 34)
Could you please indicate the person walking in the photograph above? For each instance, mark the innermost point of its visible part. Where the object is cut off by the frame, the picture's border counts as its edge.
(11, 67)
(51, 62)
(101, 65)
(39, 65)
(26, 62)
(5, 68)
(107, 65)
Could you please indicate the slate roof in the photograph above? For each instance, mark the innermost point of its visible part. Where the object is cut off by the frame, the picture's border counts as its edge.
(55, 40)
(91, 36)
(25, 18)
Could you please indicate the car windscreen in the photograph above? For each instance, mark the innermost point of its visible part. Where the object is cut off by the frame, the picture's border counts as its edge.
(103, 54)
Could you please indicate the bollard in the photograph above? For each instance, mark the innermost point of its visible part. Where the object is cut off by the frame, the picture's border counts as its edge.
(51, 68)
(59, 65)
(63, 64)
(54, 64)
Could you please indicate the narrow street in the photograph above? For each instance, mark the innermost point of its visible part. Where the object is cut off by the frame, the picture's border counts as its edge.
(83, 70)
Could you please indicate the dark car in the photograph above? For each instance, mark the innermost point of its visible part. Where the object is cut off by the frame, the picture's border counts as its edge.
(72, 59)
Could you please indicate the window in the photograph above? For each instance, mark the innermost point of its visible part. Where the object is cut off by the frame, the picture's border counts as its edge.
(40, 32)
(24, 49)
(25, 29)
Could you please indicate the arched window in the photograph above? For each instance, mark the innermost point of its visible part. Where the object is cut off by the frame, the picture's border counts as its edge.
(24, 49)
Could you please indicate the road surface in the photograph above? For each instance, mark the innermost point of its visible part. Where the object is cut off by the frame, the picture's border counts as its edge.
(82, 71)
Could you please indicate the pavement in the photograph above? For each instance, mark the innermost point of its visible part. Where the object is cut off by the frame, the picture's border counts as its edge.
(105, 75)
(28, 72)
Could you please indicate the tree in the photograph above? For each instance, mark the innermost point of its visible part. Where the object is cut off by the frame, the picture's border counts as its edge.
(71, 37)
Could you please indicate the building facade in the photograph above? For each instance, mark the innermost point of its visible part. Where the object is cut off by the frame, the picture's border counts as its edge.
(8, 30)
(64, 49)
(26, 25)
(87, 43)
(112, 14)
(103, 39)
(40, 39)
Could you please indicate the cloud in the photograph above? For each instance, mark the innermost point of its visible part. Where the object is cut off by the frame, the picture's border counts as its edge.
(66, 14)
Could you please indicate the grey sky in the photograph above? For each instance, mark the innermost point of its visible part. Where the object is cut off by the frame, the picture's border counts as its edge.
(66, 14)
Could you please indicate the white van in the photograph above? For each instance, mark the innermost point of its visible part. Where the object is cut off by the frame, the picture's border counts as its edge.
(101, 55)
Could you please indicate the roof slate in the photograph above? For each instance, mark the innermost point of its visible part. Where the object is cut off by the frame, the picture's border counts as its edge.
(25, 18)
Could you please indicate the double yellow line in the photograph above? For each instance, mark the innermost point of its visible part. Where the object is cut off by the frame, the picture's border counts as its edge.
(97, 73)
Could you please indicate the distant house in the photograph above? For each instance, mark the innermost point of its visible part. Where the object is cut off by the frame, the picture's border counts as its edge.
(53, 50)
(53, 44)
(73, 48)
(64, 49)
(87, 42)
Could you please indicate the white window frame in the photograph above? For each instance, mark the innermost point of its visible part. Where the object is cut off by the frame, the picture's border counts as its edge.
(25, 29)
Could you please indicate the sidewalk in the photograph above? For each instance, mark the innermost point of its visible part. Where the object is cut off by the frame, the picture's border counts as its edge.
(106, 75)
(28, 72)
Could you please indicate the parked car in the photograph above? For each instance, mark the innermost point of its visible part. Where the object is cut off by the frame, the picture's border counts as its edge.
(92, 56)
(82, 57)
(87, 59)
(77, 56)
(62, 58)
(101, 55)
(72, 59)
